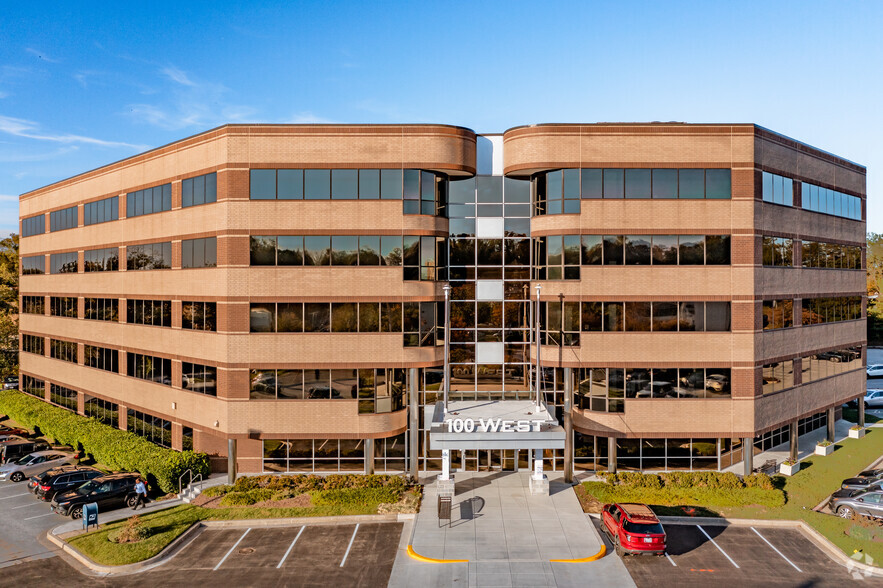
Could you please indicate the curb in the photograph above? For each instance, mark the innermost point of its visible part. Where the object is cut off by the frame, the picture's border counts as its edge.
(414, 555)
(595, 557)
(819, 540)
(172, 549)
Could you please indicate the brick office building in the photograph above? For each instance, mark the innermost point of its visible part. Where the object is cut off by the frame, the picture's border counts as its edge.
(281, 285)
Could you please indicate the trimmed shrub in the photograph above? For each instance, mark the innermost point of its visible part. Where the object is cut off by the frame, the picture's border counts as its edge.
(762, 481)
(116, 449)
(247, 498)
(356, 496)
(214, 491)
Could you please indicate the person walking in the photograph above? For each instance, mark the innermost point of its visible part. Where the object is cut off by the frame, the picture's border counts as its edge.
(141, 493)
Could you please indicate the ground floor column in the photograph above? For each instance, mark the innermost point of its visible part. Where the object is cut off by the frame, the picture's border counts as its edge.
(861, 412)
(413, 422)
(792, 445)
(231, 460)
(611, 455)
(369, 457)
(830, 435)
(747, 456)
(568, 426)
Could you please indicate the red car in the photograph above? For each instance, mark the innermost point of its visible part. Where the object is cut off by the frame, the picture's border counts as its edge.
(633, 528)
(5, 430)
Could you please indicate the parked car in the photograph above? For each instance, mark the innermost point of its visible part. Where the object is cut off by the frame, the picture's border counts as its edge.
(109, 492)
(35, 463)
(633, 528)
(657, 390)
(873, 398)
(847, 503)
(863, 480)
(6, 430)
(12, 450)
(717, 382)
(875, 371)
(61, 479)
(10, 383)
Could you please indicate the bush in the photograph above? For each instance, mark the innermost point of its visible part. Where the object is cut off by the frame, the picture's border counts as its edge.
(762, 481)
(116, 449)
(132, 532)
(247, 498)
(215, 491)
(638, 480)
(356, 496)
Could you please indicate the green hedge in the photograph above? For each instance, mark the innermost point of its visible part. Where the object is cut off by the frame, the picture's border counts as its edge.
(116, 449)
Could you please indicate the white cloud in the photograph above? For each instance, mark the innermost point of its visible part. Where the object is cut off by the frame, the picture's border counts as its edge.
(41, 55)
(20, 127)
(176, 75)
(8, 198)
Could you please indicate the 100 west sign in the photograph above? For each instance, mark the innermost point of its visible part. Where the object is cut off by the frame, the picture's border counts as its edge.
(492, 426)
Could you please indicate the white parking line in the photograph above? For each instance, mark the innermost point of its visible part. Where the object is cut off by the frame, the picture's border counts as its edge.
(670, 560)
(48, 514)
(718, 546)
(235, 545)
(290, 547)
(14, 496)
(350, 546)
(27, 505)
(776, 550)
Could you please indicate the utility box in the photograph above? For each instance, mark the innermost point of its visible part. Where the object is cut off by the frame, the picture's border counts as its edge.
(90, 515)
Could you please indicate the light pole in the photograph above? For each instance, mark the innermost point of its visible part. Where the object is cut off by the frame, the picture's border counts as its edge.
(447, 368)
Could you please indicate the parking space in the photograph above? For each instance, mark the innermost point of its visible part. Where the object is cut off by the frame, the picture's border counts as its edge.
(24, 520)
(699, 555)
(310, 555)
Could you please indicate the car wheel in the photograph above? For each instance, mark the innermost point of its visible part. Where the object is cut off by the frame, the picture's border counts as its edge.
(845, 512)
(17, 477)
(619, 550)
(77, 512)
(130, 502)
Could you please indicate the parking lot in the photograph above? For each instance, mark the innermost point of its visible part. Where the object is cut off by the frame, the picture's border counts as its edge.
(24, 521)
(701, 555)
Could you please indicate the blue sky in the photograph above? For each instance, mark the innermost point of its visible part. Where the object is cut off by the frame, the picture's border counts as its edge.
(88, 83)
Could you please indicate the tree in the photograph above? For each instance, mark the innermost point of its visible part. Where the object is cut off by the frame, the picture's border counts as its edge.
(875, 263)
(9, 305)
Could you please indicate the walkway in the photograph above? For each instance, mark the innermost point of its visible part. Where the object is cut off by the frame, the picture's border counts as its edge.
(806, 445)
(508, 536)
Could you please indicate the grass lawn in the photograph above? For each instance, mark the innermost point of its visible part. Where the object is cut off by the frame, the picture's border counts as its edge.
(166, 525)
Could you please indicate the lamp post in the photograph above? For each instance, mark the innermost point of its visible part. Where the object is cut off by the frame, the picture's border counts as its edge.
(447, 368)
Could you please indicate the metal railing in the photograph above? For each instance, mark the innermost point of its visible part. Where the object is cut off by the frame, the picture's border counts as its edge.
(190, 480)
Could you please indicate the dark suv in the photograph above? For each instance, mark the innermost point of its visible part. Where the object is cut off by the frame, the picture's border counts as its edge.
(109, 492)
(48, 484)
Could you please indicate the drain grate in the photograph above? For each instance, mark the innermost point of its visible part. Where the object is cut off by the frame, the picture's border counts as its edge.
(246, 551)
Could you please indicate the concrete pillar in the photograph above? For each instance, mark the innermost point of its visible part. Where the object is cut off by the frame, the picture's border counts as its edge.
(792, 445)
(747, 456)
(861, 412)
(369, 457)
(830, 435)
(611, 455)
(231, 461)
(568, 425)
(413, 422)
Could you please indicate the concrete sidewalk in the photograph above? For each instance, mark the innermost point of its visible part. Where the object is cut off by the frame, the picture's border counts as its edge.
(508, 536)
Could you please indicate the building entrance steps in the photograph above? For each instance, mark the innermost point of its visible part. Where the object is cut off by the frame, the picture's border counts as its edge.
(508, 537)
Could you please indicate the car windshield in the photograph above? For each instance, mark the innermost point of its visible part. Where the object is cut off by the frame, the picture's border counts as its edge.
(642, 528)
(24, 460)
(87, 488)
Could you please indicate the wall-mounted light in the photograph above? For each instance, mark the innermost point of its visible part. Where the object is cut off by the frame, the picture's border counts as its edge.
(217, 423)
(174, 406)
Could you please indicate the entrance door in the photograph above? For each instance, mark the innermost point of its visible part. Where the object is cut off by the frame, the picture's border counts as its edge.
(509, 463)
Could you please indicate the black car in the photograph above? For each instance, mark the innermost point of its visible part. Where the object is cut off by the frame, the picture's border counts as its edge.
(48, 484)
(109, 492)
(14, 449)
(862, 481)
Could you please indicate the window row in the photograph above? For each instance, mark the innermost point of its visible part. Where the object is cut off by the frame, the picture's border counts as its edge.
(63, 350)
(778, 314)
(199, 378)
(102, 358)
(420, 256)
(831, 309)
(560, 191)
(63, 263)
(417, 321)
(830, 363)
(101, 211)
(423, 192)
(199, 190)
(604, 389)
(778, 376)
(101, 309)
(33, 386)
(831, 255)
(149, 367)
(33, 304)
(825, 200)
(63, 397)
(332, 455)
(149, 256)
(101, 260)
(33, 264)
(153, 428)
(66, 218)
(103, 411)
(157, 313)
(149, 200)
(378, 390)
(63, 306)
(777, 189)
(33, 344)
(572, 317)
(200, 316)
(199, 252)
(778, 251)
(35, 225)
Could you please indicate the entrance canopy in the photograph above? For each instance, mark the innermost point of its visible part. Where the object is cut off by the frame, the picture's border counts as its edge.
(493, 424)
